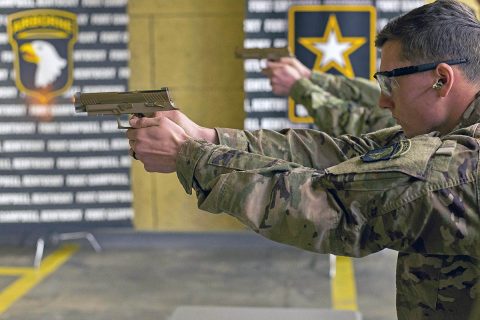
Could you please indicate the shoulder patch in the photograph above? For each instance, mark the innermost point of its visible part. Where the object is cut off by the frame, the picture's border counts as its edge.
(386, 153)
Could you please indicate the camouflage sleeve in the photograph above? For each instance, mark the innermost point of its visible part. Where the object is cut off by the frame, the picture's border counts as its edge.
(310, 148)
(423, 199)
(359, 90)
(339, 115)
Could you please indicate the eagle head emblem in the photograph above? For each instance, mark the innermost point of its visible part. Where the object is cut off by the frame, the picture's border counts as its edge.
(45, 56)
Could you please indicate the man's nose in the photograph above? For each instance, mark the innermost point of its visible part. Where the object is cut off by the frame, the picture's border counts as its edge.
(385, 101)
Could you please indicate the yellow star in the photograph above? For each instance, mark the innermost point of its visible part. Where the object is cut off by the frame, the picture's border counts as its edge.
(333, 50)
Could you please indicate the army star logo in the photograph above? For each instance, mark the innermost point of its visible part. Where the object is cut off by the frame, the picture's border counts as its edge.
(333, 50)
(335, 39)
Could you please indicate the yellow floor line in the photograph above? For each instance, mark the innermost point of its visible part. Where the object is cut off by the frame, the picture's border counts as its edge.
(31, 276)
(344, 292)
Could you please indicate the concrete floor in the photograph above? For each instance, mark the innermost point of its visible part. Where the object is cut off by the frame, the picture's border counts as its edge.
(148, 275)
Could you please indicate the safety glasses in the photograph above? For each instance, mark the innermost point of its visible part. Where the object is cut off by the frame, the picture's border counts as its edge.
(386, 78)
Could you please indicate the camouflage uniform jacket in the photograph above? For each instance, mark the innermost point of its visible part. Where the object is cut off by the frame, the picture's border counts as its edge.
(340, 105)
(314, 191)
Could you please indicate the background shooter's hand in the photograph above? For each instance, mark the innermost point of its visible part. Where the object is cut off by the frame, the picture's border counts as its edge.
(297, 65)
(284, 73)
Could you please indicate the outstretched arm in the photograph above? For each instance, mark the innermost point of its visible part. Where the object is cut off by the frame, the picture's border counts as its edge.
(359, 90)
(284, 72)
(336, 115)
(337, 104)
(310, 148)
(418, 195)
(354, 208)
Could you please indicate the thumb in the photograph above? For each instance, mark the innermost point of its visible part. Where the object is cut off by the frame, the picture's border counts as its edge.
(168, 113)
(286, 60)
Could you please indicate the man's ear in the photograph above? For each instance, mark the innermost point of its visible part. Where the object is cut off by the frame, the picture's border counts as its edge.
(445, 78)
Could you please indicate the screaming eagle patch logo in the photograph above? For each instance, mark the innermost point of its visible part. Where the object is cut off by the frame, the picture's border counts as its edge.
(42, 41)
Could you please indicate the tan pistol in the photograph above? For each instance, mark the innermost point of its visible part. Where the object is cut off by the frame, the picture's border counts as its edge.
(139, 103)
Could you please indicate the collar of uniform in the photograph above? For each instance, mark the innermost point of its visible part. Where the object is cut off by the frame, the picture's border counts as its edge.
(471, 115)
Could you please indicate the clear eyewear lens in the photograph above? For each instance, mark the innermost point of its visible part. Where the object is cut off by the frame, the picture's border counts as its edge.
(385, 84)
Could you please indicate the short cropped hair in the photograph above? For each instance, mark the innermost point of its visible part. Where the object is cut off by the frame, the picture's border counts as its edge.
(441, 30)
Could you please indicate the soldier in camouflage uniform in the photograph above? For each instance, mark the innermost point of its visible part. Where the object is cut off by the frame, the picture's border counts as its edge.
(327, 96)
(425, 279)
(414, 188)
